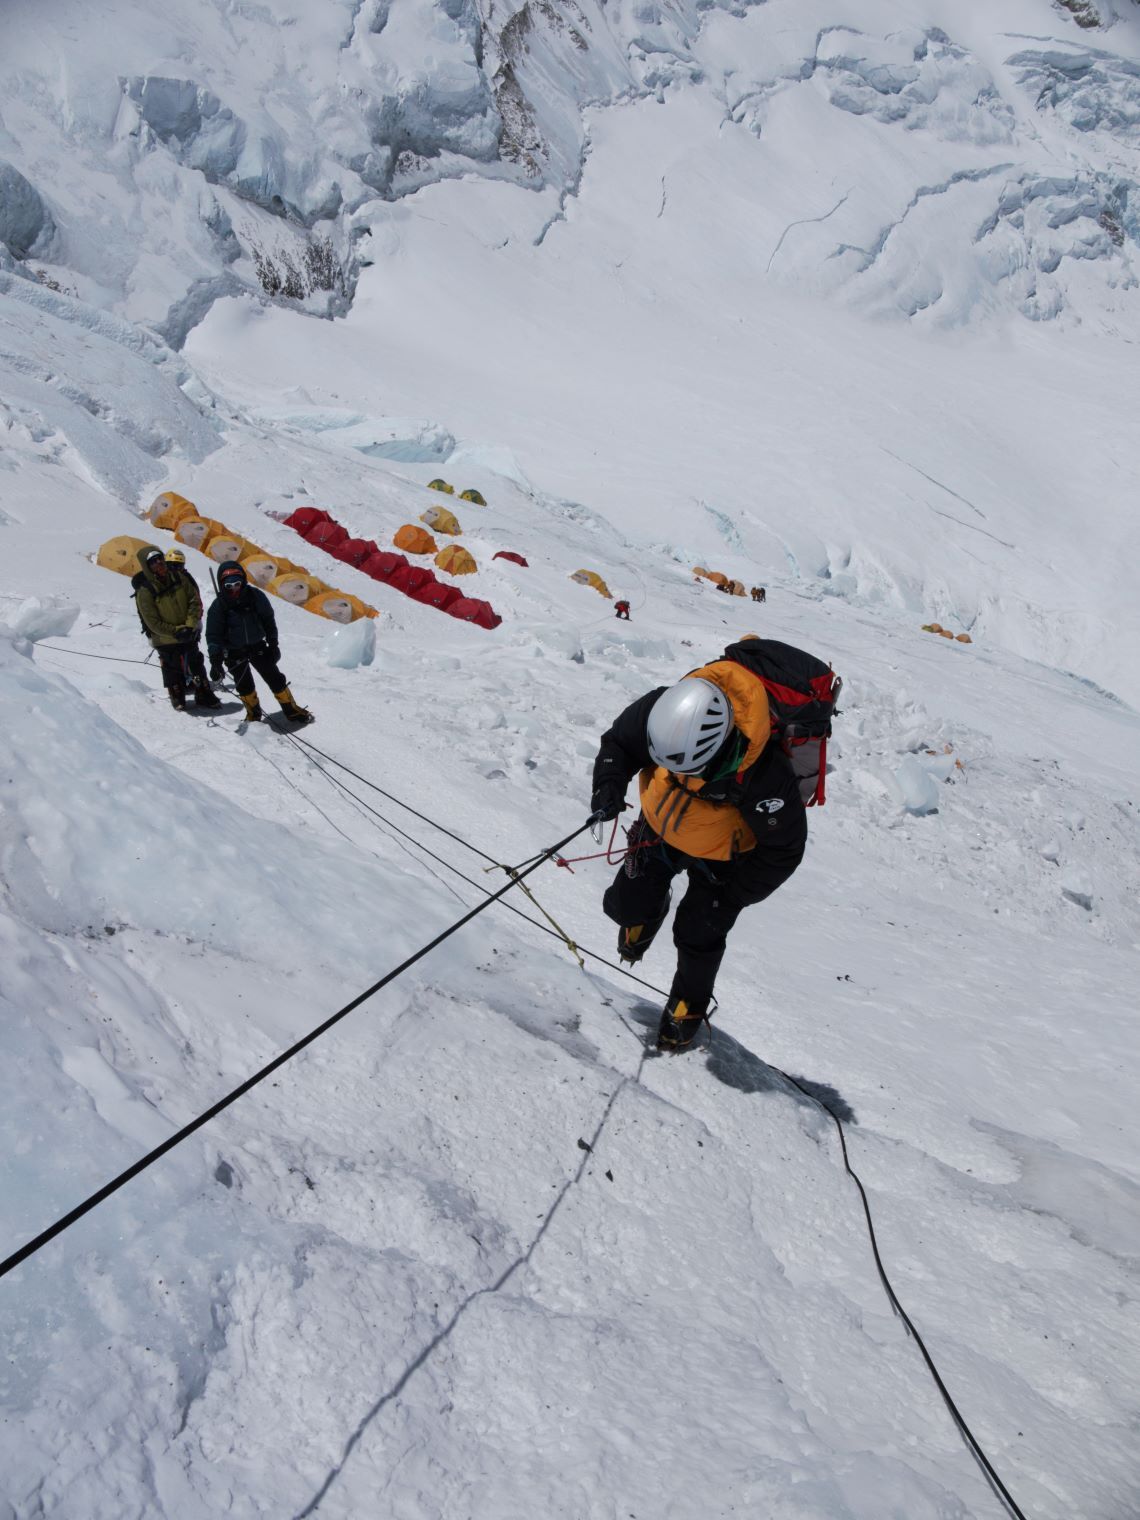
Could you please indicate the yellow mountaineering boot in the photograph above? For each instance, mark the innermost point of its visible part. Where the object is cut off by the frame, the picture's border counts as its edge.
(252, 707)
(680, 1023)
(291, 709)
(635, 939)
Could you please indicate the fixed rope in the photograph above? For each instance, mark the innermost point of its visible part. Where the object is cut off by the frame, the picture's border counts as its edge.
(77, 1213)
(517, 873)
(973, 1446)
(593, 955)
(971, 1442)
(116, 659)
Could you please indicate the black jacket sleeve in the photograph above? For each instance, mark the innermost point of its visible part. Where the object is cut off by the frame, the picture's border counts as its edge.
(265, 616)
(773, 809)
(216, 628)
(624, 749)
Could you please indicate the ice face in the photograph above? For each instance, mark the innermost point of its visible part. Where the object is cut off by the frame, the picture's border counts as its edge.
(26, 225)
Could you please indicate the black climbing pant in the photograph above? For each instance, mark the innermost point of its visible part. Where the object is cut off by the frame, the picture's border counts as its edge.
(704, 916)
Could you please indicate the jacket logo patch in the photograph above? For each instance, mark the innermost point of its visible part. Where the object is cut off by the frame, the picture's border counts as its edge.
(770, 805)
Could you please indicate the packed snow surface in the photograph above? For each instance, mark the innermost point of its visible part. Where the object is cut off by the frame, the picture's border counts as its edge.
(834, 300)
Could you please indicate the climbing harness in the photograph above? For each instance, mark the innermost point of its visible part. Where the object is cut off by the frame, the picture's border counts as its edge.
(607, 854)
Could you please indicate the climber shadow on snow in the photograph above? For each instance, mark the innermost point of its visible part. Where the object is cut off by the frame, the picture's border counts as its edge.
(214, 712)
(736, 1066)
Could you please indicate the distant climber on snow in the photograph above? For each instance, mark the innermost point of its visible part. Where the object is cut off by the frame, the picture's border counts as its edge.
(759, 594)
(170, 609)
(242, 631)
(721, 800)
(621, 610)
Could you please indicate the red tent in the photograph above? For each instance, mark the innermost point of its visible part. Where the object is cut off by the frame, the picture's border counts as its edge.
(354, 551)
(513, 557)
(436, 594)
(305, 518)
(472, 611)
(326, 535)
(409, 578)
(382, 565)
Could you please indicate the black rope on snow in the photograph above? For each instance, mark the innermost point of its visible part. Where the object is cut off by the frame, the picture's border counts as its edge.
(118, 659)
(77, 1213)
(972, 1444)
(968, 1437)
(466, 843)
(471, 882)
(364, 810)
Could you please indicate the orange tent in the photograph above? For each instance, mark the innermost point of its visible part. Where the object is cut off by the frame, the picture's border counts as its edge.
(168, 510)
(441, 520)
(413, 540)
(296, 587)
(226, 545)
(591, 578)
(339, 606)
(196, 532)
(262, 568)
(456, 560)
(121, 554)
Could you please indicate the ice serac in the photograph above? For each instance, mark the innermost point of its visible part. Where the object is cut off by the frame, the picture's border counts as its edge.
(26, 225)
(267, 140)
(202, 133)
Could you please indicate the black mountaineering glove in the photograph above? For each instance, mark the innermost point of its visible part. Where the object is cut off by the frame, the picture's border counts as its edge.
(186, 635)
(274, 654)
(215, 670)
(607, 801)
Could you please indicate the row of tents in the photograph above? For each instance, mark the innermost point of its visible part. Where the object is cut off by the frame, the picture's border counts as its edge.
(945, 633)
(321, 529)
(737, 588)
(272, 572)
(471, 494)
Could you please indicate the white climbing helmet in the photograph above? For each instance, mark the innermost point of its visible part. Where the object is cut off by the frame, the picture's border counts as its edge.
(688, 724)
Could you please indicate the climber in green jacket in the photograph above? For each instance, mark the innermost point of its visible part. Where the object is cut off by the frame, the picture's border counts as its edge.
(171, 612)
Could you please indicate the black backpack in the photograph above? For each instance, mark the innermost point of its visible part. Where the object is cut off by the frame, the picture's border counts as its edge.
(136, 581)
(802, 693)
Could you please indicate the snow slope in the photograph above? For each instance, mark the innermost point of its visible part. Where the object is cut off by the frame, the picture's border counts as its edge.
(392, 1281)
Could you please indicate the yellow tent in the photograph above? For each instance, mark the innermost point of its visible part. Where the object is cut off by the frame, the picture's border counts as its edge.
(456, 561)
(196, 532)
(737, 588)
(339, 606)
(471, 494)
(963, 638)
(262, 568)
(120, 554)
(441, 520)
(168, 510)
(413, 540)
(296, 587)
(441, 485)
(226, 545)
(591, 578)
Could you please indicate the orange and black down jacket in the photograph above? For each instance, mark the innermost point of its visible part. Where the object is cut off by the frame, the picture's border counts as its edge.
(763, 798)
